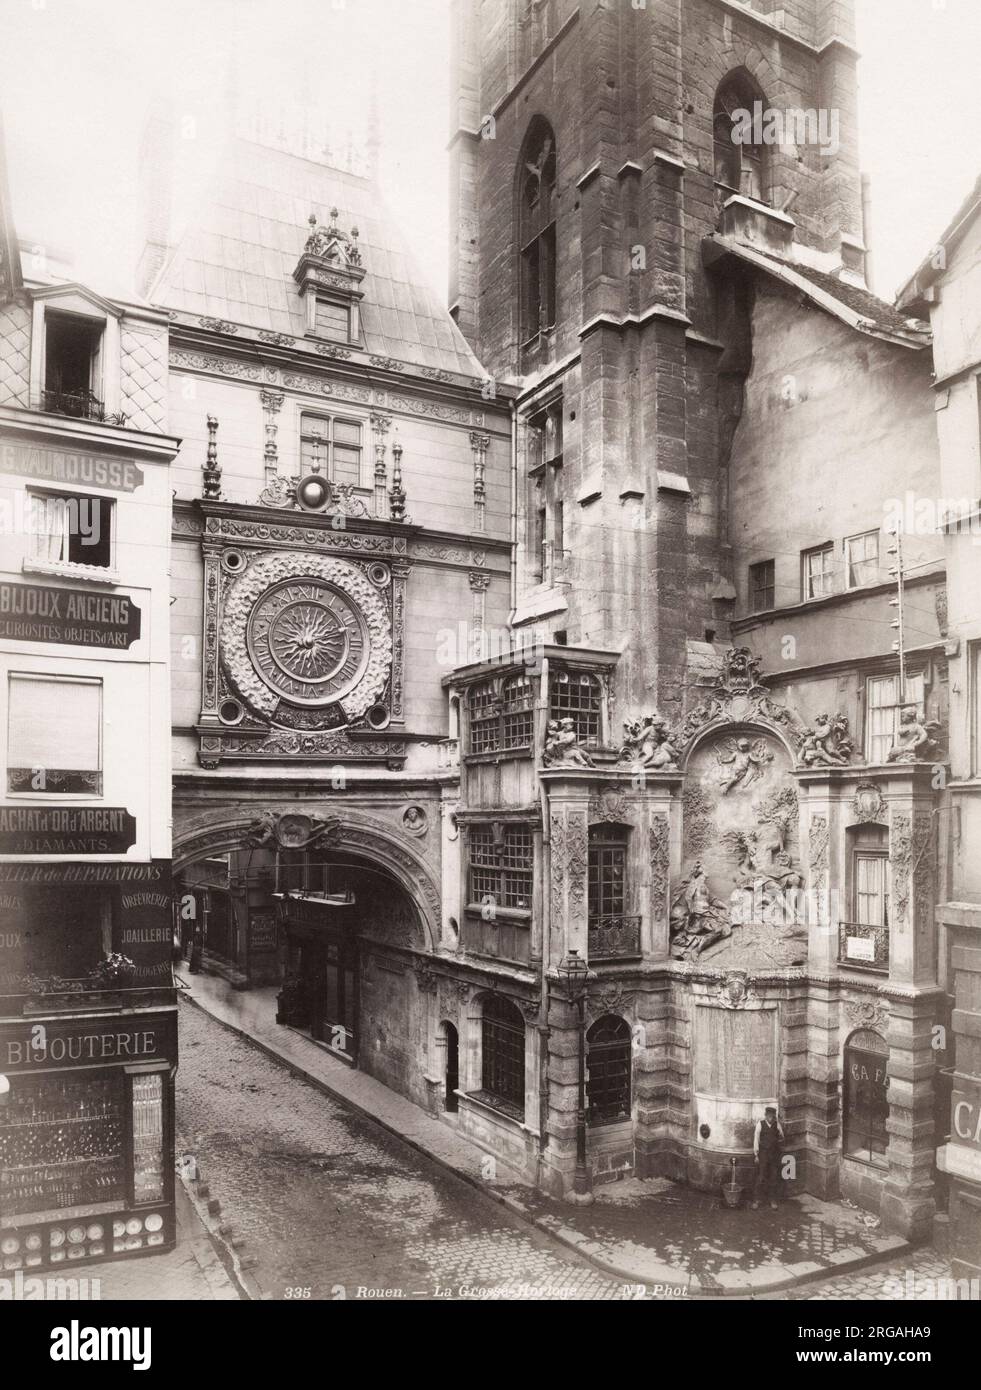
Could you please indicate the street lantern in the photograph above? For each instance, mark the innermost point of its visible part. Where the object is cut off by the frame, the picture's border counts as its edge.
(574, 974)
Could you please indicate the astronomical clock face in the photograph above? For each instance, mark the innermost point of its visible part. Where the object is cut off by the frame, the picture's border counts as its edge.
(308, 641)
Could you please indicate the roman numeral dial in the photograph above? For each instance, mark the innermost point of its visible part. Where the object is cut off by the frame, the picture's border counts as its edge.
(308, 641)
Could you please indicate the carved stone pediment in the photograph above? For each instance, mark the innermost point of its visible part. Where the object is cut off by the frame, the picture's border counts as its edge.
(736, 697)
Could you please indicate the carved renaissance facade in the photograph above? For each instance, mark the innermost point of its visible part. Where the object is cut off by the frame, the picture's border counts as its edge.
(715, 783)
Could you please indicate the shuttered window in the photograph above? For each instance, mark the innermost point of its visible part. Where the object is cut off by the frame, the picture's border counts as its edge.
(54, 735)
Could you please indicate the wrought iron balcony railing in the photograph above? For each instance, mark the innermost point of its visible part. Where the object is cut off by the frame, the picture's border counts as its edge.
(60, 995)
(80, 405)
(613, 938)
(863, 947)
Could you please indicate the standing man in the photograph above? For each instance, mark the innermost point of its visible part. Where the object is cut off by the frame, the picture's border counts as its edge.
(767, 1147)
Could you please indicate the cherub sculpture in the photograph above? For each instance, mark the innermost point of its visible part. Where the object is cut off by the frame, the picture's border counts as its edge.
(916, 738)
(647, 743)
(741, 763)
(562, 745)
(828, 743)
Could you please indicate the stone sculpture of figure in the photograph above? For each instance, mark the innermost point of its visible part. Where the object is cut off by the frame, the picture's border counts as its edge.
(741, 763)
(263, 831)
(562, 745)
(827, 744)
(647, 743)
(915, 738)
(698, 920)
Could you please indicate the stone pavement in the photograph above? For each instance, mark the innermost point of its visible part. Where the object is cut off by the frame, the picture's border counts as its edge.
(192, 1272)
(321, 1203)
(922, 1277)
(640, 1232)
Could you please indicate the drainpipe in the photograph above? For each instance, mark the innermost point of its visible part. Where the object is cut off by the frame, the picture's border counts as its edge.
(546, 943)
(514, 509)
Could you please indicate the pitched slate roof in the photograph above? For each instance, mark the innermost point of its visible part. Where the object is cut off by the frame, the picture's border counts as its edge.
(858, 307)
(236, 260)
(911, 294)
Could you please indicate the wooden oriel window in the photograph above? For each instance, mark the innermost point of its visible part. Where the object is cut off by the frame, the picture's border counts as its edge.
(576, 695)
(502, 715)
(501, 866)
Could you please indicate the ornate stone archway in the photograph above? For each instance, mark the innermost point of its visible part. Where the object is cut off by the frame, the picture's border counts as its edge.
(229, 828)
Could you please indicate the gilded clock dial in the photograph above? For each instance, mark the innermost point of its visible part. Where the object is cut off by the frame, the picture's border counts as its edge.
(308, 641)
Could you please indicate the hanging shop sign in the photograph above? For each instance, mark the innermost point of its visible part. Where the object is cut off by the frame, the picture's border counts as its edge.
(72, 617)
(66, 830)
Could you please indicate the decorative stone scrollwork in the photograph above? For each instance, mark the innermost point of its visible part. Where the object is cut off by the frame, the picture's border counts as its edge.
(615, 1000)
(330, 244)
(291, 830)
(349, 581)
(609, 804)
(426, 978)
(817, 855)
(900, 858)
(868, 1012)
(868, 804)
(735, 991)
(659, 862)
(737, 697)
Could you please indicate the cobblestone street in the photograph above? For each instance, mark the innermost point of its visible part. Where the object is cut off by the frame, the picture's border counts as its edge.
(329, 1203)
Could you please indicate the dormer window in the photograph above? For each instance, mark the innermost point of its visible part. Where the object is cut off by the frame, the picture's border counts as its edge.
(333, 321)
(329, 274)
(75, 355)
(73, 366)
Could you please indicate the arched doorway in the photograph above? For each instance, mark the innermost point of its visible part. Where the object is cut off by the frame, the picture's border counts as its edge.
(323, 922)
(451, 1041)
(866, 1100)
